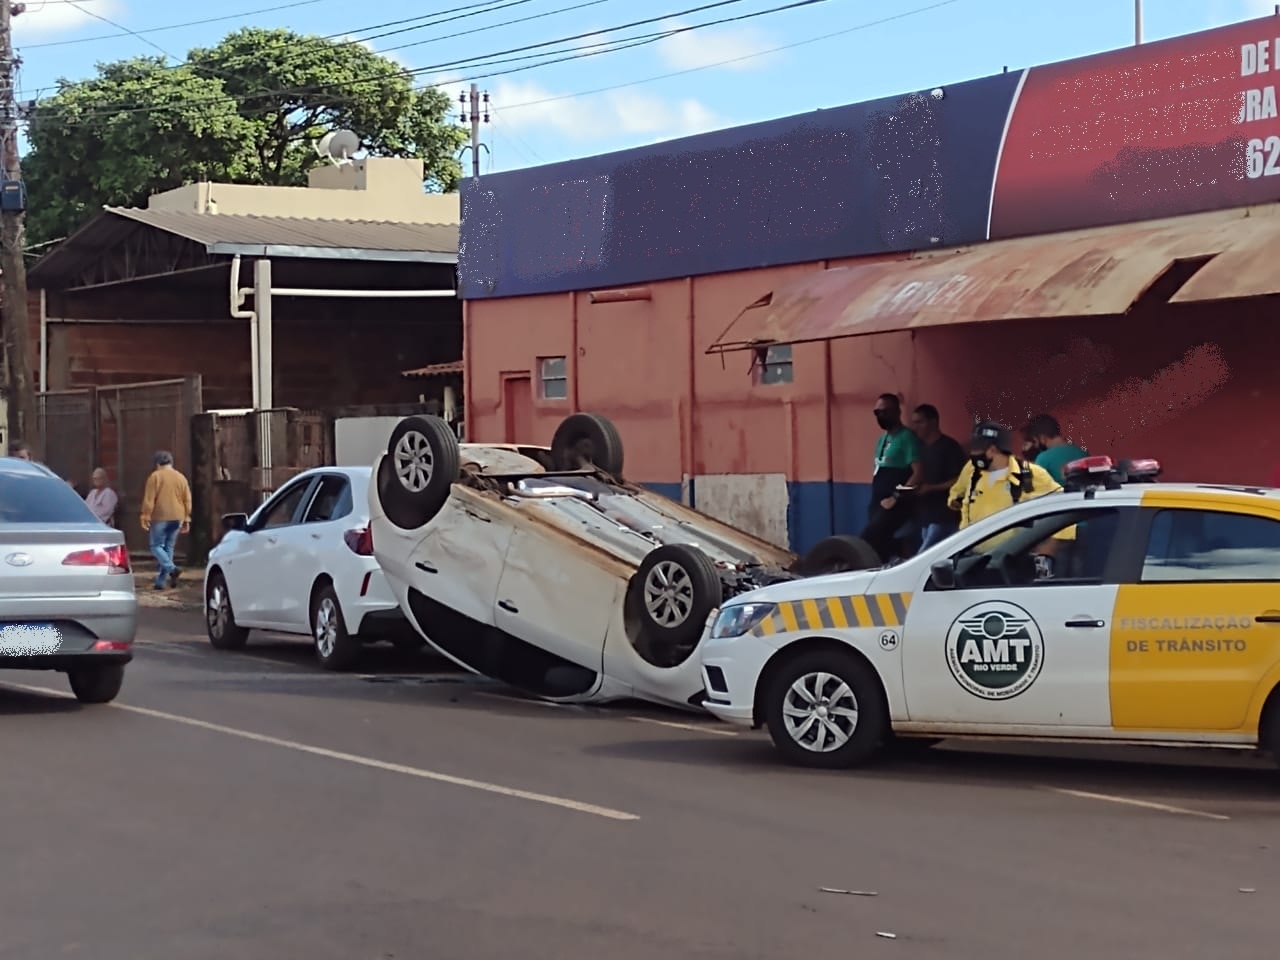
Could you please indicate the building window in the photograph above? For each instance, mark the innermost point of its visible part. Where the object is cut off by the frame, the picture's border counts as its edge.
(554, 378)
(773, 364)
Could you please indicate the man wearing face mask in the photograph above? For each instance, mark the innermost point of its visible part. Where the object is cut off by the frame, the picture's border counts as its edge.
(994, 479)
(897, 463)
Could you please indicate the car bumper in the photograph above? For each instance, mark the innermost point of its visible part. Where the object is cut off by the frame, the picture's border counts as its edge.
(63, 662)
(81, 621)
(731, 670)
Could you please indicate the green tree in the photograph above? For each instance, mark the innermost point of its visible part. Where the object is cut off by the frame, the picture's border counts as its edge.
(244, 111)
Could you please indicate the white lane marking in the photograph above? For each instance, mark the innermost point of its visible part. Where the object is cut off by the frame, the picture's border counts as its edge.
(695, 727)
(1132, 802)
(480, 785)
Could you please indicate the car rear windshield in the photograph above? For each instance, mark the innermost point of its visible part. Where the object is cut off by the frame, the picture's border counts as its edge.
(27, 498)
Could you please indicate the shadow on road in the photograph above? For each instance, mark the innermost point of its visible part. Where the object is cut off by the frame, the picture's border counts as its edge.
(1124, 769)
(21, 703)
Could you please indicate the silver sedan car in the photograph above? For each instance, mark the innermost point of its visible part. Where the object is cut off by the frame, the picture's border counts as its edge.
(67, 600)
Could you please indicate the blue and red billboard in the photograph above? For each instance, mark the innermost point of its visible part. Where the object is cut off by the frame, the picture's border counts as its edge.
(1174, 127)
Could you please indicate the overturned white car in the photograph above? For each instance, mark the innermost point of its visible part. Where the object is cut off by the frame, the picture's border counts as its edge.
(542, 568)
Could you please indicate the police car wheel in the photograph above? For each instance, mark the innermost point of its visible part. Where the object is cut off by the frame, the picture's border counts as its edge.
(826, 709)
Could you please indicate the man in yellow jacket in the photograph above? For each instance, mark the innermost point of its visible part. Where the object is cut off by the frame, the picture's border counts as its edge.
(166, 512)
(994, 480)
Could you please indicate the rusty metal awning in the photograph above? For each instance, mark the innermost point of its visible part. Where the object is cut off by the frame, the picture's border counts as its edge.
(1098, 272)
(434, 370)
(1243, 269)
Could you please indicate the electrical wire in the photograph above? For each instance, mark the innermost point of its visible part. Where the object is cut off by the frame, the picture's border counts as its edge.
(487, 60)
(125, 32)
(724, 63)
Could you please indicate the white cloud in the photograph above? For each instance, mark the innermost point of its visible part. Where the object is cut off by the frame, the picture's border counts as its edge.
(703, 48)
(44, 18)
(393, 57)
(605, 116)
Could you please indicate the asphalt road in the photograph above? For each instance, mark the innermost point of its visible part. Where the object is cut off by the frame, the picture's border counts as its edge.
(251, 806)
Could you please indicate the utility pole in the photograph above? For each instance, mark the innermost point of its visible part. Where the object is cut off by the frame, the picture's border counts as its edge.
(474, 119)
(1137, 22)
(13, 270)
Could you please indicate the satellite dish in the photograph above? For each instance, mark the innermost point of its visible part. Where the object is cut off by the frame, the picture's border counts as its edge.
(338, 145)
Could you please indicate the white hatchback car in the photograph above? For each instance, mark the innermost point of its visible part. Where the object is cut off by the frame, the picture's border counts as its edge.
(303, 563)
(541, 568)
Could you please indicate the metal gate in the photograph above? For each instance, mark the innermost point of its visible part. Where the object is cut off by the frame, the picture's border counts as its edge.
(135, 420)
(67, 441)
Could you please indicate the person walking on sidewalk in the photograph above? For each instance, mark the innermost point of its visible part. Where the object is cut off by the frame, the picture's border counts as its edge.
(166, 512)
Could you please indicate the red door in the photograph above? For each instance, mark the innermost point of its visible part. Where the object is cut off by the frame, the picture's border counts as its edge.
(517, 402)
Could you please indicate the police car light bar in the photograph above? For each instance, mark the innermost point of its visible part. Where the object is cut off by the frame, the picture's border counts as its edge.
(1143, 468)
(1092, 465)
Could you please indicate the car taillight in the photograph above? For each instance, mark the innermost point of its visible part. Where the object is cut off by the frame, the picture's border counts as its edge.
(116, 558)
(112, 646)
(360, 541)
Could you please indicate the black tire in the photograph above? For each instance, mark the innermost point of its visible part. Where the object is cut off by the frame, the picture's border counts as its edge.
(669, 599)
(335, 648)
(865, 735)
(220, 624)
(587, 440)
(98, 684)
(415, 477)
(839, 554)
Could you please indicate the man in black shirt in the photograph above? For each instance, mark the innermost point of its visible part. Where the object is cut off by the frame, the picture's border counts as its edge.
(943, 459)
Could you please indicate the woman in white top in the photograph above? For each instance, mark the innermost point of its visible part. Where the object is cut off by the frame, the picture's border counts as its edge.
(102, 500)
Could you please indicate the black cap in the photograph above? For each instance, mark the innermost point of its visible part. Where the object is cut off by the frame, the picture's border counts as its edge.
(989, 433)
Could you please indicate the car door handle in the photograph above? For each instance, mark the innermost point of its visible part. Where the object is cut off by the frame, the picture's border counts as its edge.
(426, 567)
(316, 536)
(1267, 618)
(272, 540)
(508, 606)
(1086, 623)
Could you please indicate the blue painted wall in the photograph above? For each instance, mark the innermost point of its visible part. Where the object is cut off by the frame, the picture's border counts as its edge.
(883, 176)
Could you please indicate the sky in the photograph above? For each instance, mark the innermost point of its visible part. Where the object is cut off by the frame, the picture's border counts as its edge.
(837, 52)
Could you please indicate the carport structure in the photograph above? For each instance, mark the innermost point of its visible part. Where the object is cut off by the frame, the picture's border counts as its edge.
(147, 317)
(332, 312)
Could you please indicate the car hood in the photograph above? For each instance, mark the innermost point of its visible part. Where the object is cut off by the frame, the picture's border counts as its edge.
(811, 588)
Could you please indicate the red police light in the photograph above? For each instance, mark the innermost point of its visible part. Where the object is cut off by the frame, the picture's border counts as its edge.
(1090, 465)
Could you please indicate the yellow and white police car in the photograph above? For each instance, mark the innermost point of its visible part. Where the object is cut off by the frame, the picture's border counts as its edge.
(1157, 623)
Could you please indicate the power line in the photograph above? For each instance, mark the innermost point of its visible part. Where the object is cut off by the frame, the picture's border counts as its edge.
(112, 23)
(125, 32)
(724, 63)
(621, 43)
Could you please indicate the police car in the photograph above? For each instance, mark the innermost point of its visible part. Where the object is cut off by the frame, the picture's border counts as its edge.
(1159, 625)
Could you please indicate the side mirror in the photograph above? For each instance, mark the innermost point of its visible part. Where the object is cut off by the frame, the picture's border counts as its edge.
(944, 574)
(234, 521)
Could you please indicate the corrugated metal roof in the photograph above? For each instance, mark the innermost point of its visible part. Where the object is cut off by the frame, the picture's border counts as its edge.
(434, 370)
(1244, 268)
(1096, 272)
(219, 230)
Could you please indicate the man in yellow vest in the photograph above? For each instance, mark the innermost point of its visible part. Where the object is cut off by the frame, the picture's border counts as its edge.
(994, 480)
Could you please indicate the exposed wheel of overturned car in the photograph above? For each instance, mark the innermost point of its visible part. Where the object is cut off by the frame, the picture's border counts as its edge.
(416, 475)
(668, 601)
(587, 439)
(839, 554)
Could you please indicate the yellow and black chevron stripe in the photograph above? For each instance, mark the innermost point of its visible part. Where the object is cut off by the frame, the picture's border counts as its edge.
(837, 613)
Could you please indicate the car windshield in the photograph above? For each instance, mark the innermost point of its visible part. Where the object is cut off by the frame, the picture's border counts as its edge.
(35, 498)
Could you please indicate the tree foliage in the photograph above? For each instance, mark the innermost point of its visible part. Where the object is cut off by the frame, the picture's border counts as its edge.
(245, 111)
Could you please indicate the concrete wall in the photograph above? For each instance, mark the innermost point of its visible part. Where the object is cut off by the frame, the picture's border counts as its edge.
(793, 461)
(377, 188)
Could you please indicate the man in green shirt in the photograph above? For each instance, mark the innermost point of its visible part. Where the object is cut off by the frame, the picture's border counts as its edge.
(1047, 447)
(897, 462)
